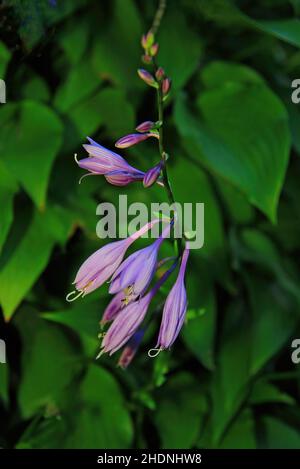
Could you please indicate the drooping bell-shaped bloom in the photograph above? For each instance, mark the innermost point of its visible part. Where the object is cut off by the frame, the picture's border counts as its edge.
(125, 324)
(133, 139)
(100, 266)
(128, 321)
(174, 309)
(130, 349)
(108, 163)
(137, 271)
(152, 175)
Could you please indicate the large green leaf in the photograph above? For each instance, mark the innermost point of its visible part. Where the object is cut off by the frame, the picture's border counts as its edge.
(49, 362)
(8, 187)
(100, 418)
(279, 435)
(241, 434)
(26, 259)
(240, 133)
(287, 29)
(180, 411)
(179, 61)
(29, 144)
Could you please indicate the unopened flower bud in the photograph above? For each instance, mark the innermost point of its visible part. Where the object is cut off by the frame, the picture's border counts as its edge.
(152, 175)
(147, 77)
(166, 85)
(160, 73)
(133, 139)
(131, 348)
(145, 126)
(147, 40)
(154, 49)
(147, 59)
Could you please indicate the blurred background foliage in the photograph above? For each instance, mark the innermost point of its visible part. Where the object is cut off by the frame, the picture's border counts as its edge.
(233, 135)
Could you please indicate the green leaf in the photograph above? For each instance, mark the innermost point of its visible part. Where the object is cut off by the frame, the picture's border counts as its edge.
(8, 187)
(22, 152)
(4, 59)
(80, 83)
(103, 110)
(279, 435)
(243, 136)
(28, 258)
(263, 392)
(241, 434)
(199, 332)
(179, 413)
(101, 419)
(179, 58)
(83, 318)
(274, 321)
(49, 363)
(227, 13)
(4, 383)
(123, 33)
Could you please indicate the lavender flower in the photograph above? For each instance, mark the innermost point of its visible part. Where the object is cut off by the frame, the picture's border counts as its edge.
(174, 309)
(137, 271)
(106, 162)
(122, 178)
(125, 324)
(113, 308)
(129, 320)
(100, 266)
(152, 175)
(133, 139)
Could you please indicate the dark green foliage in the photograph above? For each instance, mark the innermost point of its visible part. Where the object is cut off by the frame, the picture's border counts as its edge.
(233, 137)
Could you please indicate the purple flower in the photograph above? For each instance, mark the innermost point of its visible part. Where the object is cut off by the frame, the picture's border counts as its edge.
(145, 126)
(103, 161)
(125, 324)
(100, 266)
(113, 308)
(174, 309)
(131, 349)
(152, 175)
(122, 178)
(133, 139)
(147, 77)
(137, 271)
(129, 320)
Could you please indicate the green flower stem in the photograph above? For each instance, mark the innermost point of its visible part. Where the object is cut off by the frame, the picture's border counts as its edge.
(163, 155)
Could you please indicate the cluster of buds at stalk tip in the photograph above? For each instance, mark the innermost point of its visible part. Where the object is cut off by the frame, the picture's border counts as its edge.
(131, 278)
(150, 47)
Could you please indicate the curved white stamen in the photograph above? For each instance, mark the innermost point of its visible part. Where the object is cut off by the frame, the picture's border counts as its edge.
(75, 158)
(77, 294)
(85, 175)
(154, 352)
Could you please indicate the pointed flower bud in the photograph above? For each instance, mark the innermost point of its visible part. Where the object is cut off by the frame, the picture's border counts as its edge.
(145, 126)
(147, 77)
(152, 175)
(133, 139)
(160, 73)
(174, 309)
(147, 40)
(166, 86)
(154, 49)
